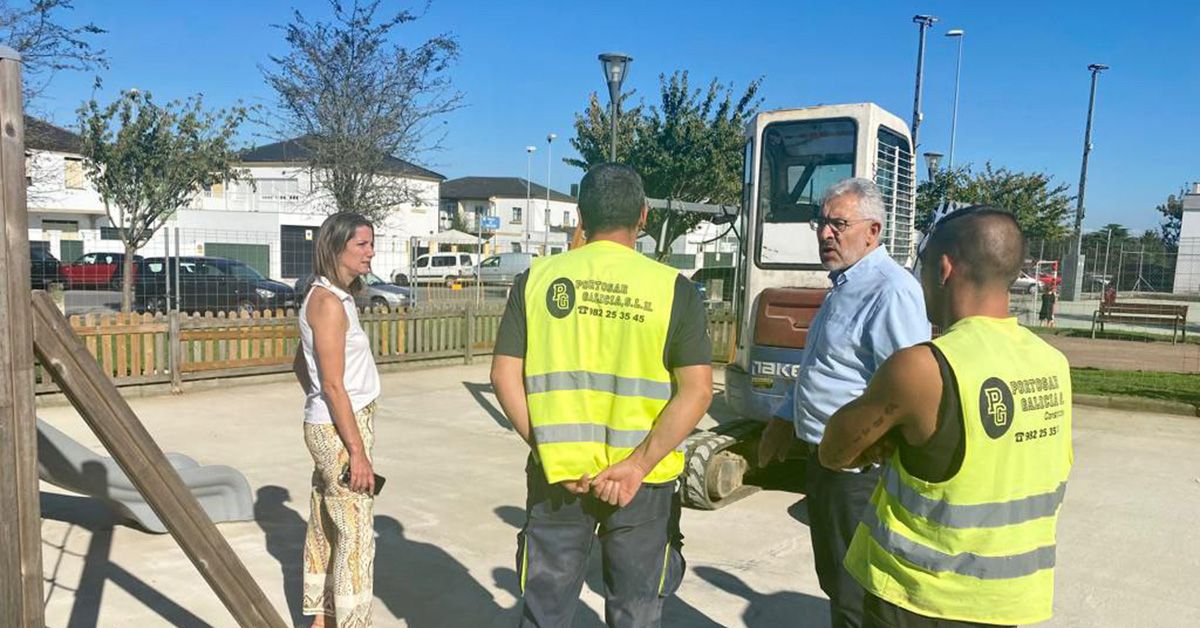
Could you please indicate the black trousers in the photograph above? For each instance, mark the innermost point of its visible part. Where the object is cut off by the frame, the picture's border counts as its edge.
(640, 547)
(880, 613)
(836, 501)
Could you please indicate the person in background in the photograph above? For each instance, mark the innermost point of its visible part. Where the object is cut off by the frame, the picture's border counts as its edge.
(337, 370)
(1049, 300)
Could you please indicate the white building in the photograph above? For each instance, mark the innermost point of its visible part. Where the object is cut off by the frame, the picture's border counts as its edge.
(1187, 262)
(268, 220)
(523, 222)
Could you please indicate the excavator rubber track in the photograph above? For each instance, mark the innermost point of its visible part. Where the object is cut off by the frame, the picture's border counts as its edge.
(716, 462)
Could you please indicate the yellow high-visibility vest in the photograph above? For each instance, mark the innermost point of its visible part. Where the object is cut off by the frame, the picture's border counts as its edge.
(980, 546)
(597, 320)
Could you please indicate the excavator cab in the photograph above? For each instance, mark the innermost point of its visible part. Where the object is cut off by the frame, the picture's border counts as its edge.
(791, 158)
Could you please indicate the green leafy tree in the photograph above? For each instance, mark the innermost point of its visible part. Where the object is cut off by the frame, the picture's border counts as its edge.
(360, 102)
(147, 160)
(688, 147)
(1172, 220)
(1040, 204)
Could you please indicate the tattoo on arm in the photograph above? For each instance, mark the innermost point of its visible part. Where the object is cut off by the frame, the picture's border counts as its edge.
(888, 410)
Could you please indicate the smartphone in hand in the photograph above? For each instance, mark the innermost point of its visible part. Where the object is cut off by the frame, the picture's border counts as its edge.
(345, 479)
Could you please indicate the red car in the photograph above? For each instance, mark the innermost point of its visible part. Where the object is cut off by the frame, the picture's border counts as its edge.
(96, 270)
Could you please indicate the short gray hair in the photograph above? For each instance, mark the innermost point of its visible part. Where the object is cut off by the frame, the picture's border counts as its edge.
(870, 199)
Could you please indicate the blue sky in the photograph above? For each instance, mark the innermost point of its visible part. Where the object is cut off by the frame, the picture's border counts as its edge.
(528, 66)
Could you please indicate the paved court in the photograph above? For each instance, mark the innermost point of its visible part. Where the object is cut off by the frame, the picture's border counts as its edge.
(1129, 550)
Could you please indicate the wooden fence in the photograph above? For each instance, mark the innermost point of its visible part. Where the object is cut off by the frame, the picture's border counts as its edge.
(135, 349)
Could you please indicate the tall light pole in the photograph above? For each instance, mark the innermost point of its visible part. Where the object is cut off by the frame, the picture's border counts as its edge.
(924, 22)
(956, 33)
(615, 66)
(549, 161)
(528, 175)
(1071, 287)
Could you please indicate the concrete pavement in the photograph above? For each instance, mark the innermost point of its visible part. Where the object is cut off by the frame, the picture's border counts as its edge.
(1129, 550)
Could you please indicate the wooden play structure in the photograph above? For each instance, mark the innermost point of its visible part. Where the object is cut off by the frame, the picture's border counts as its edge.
(35, 326)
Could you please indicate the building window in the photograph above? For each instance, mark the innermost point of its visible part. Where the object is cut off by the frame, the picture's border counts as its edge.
(278, 189)
(516, 247)
(73, 173)
(110, 233)
(516, 215)
(567, 218)
(214, 190)
(66, 226)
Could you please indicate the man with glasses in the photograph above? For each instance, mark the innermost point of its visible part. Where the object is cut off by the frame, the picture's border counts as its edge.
(873, 309)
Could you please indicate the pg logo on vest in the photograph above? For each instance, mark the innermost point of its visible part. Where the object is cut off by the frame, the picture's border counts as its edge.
(996, 407)
(560, 297)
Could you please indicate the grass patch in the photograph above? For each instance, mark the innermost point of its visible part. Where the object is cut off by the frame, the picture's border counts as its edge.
(1182, 387)
(1132, 336)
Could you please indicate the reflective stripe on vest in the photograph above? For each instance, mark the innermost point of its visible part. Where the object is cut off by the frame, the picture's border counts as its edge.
(965, 563)
(590, 433)
(988, 515)
(601, 382)
(979, 546)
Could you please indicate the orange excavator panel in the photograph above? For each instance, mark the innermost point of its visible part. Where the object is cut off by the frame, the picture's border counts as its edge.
(784, 316)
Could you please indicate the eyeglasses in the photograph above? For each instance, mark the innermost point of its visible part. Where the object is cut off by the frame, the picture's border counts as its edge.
(839, 225)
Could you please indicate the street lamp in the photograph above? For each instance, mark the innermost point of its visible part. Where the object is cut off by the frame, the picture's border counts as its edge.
(956, 33)
(615, 65)
(932, 161)
(1071, 285)
(528, 175)
(546, 231)
(924, 22)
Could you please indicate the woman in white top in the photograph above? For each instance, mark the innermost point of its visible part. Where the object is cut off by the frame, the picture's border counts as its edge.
(337, 370)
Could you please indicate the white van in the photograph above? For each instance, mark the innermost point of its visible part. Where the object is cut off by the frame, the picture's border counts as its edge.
(503, 268)
(439, 268)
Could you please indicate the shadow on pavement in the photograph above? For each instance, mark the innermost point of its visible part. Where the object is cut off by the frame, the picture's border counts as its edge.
(767, 610)
(479, 392)
(98, 570)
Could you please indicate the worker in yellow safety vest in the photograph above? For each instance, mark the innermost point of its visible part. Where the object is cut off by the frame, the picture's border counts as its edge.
(961, 528)
(603, 365)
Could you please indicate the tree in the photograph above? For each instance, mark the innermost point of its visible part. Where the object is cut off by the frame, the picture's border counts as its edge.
(46, 44)
(147, 160)
(1172, 220)
(360, 103)
(1040, 205)
(687, 148)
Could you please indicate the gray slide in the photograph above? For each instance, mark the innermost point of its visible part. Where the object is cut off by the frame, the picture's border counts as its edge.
(222, 491)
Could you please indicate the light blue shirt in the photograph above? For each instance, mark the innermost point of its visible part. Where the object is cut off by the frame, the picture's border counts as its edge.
(874, 308)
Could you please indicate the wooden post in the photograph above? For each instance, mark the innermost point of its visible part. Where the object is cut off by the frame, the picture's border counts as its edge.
(469, 356)
(96, 399)
(174, 352)
(20, 512)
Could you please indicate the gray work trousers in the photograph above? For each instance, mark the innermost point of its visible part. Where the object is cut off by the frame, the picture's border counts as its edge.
(640, 546)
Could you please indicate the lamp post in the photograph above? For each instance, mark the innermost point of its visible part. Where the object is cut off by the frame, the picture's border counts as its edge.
(615, 65)
(546, 231)
(924, 22)
(932, 161)
(528, 175)
(958, 34)
(1071, 281)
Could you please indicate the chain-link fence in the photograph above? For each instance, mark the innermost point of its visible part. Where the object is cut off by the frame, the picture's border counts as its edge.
(244, 270)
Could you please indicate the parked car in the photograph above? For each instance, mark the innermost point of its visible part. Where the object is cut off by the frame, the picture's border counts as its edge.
(503, 268)
(703, 276)
(208, 284)
(1029, 284)
(97, 270)
(1024, 284)
(43, 268)
(376, 292)
(438, 268)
